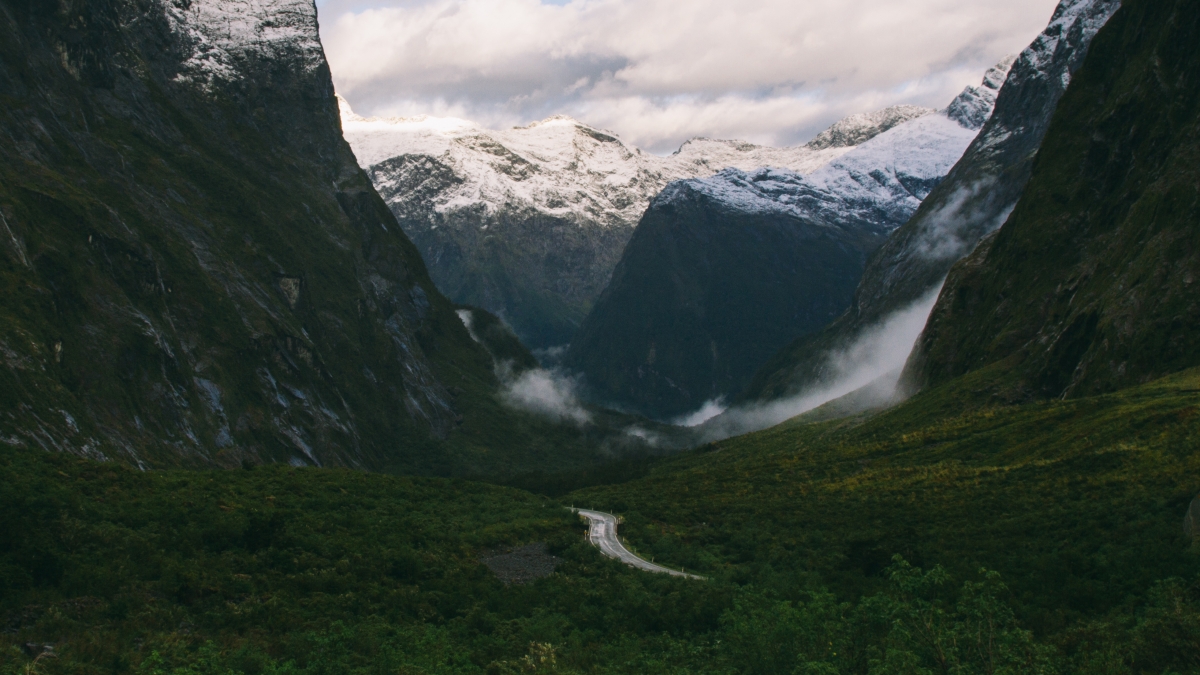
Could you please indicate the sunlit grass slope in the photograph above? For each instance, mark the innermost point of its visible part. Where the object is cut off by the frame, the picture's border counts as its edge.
(1079, 504)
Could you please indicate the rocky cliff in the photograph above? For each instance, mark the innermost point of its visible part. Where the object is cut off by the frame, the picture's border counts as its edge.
(974, 200)
(722, 272)
(195, 270)
(529, 223)
(1090, 285)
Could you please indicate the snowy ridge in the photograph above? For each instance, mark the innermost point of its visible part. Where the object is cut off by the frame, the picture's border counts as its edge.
(557, 166)
(974, 106)
(1053, 56)
(973, 201)
(222, 34)
(860, 128)
(882, 181)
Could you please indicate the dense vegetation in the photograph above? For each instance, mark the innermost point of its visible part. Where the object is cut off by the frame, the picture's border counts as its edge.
(1074, 507)
(957, 533)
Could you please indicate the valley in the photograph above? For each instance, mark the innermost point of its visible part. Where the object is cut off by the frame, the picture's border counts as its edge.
(286, 390)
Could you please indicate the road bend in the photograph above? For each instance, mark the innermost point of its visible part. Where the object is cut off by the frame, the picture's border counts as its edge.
(602, 532)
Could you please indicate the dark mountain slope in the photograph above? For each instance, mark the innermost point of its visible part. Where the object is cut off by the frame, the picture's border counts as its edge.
(974, 200)
(1091, 285)
(722, 272)
(677, 324)
(194, 269)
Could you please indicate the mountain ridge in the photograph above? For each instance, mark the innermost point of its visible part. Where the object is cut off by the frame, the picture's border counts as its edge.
(196, 270)
(1088, 287)
(529, 222)
(974, 200)
(724, 271)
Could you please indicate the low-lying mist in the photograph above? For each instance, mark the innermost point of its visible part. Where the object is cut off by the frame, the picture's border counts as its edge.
(552, 393)
(870, 368)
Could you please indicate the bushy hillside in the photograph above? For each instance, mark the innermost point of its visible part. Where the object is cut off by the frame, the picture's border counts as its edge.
(1078, 505)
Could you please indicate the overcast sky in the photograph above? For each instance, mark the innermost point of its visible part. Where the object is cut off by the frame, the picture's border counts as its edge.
(658, 72)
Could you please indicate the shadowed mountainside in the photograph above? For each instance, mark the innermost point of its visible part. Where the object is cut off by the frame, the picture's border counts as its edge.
(974, 200)
(195, 269)
(722, 272)
(1091, 285)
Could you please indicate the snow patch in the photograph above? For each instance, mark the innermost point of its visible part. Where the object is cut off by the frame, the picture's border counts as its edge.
(558, 166)
(222, 35)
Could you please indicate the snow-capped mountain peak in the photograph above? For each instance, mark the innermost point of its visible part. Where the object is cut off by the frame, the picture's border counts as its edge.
(860, 128)
(974, 105)
(529, 222)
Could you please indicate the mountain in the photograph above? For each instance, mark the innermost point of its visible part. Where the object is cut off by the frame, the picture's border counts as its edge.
(1091, 284)
(975, 199)
(724, 271)
(529, 223)
(195, 270)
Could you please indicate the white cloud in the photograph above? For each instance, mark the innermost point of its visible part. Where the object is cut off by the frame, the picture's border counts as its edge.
(546, 392)
(660, 71)
(870, 365)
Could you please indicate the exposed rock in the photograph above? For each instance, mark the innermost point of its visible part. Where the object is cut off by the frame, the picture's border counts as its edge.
(521, 565)
(1191, 521)
(196, 271)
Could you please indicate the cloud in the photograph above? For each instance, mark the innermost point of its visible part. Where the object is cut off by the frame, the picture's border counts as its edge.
(942, 236)
(870, 368)
(658, 72)
(546, 392)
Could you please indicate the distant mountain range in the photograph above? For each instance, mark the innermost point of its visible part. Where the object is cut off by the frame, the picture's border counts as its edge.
(529, 223)
(724, 271)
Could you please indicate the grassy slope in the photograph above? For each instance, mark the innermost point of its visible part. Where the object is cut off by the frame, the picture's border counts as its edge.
(1079, 503)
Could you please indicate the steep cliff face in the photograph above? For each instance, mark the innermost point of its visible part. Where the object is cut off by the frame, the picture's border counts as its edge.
(974, 200)
(529, 223)
(195, 269)
(1091, 284)
(724, 271)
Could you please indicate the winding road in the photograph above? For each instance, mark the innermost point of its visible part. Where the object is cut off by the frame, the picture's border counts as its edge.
(602, 532)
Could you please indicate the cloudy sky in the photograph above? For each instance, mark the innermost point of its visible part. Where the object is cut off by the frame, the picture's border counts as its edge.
(658, 72)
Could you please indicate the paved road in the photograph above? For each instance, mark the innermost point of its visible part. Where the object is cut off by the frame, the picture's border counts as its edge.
(602, 532)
